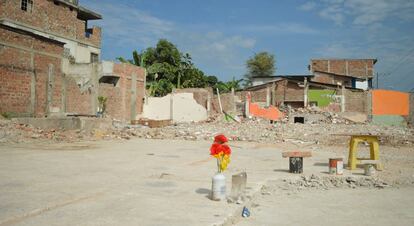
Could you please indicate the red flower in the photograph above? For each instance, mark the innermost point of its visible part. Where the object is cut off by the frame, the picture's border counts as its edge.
(216, 149)
(225, 149)
(220, 139)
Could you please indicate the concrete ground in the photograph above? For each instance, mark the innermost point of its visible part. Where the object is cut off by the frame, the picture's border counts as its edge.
(334, 207)
(146, 182)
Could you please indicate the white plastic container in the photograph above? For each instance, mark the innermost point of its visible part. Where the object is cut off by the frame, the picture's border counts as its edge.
(369, 170)
(218, 190)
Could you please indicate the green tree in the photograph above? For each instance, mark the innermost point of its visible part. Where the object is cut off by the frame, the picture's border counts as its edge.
(168, 68)
(211, 81)
(225, 87)
(261, 64)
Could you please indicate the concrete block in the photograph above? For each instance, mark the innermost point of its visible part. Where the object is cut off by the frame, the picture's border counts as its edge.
(389, 120)
(67, 123)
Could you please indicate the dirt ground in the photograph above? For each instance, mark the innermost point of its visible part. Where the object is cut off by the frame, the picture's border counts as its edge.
(167, 182)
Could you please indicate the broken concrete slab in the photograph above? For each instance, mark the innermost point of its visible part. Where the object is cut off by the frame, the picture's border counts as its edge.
(179, 107)
(357, 117)
(67, 123)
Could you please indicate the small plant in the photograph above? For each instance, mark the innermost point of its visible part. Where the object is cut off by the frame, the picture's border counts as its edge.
(102, 104)
(7, 115)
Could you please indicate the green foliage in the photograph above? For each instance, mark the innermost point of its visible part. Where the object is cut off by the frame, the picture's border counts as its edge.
(225, 87)
(168, 68)
(7, 115)
(102, 103)
(211, 80)
(261, 64)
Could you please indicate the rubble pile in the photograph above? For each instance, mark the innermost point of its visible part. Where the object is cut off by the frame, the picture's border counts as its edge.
(323, 183)
(253, 130)
(256, 130)
(328, 182)
(12, 132)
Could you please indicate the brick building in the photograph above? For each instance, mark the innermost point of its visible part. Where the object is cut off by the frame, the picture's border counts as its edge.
(355, 73)
(49, 63)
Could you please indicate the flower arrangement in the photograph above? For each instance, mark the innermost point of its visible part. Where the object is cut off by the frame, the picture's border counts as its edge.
(221, 151)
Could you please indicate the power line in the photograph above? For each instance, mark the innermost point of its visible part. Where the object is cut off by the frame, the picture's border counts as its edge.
(395, 68)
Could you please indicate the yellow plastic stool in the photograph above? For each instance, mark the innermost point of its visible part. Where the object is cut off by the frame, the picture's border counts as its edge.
(373, 147)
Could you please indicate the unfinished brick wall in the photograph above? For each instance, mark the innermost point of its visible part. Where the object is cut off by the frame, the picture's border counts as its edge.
(24, 63)
(124, 71)
(288, 92)
(362, 68)
(52, 17)
(227, 102)
(356, 101)
(331, 79)
(114, 100)
(77, 101)
(200, 94)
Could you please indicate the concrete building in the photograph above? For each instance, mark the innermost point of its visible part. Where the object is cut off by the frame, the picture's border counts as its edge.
(49, 63)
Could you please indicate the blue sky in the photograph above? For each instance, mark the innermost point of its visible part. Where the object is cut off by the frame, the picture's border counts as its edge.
(221, 35)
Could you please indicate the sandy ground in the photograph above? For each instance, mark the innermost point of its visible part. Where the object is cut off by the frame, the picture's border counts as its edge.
(166, 182)
(334, 207)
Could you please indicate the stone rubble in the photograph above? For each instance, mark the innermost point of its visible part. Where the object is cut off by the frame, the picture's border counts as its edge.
(324, 183)
(253, 130)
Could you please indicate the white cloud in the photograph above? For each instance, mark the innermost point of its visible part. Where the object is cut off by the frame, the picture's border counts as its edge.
(131, 28)
(127, 26)
(281, 29)
(308, 6)
(362, 12)
(334, 13)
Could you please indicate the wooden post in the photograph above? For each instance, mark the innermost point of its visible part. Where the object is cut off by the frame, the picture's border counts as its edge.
(343, 98)
(305, 93)
(233, 100)
(273, 94)
(218, 96)
(267, 96)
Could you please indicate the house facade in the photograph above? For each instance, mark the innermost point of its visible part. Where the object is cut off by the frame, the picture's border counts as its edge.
(50, 63)
(355, 73)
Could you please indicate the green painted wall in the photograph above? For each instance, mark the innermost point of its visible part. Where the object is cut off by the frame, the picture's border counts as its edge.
(389, 120)
(321, 96)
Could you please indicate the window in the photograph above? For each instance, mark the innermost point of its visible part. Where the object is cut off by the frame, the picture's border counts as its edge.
(27, 5)
(94, 57)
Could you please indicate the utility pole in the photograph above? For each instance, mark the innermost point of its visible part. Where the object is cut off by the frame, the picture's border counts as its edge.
(377, 81)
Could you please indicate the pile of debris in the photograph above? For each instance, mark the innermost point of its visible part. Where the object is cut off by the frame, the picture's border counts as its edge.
(256, 130)
(13, 132)
(252, 130)
(324, 183)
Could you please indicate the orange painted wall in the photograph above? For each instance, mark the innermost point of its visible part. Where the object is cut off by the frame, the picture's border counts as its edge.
(388, 102)
(271, 113)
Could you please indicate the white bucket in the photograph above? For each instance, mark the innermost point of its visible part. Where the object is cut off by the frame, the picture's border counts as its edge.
(369, 170)
(218, 190)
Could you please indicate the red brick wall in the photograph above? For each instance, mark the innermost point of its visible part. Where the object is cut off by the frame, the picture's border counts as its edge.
(331, 79)
(124, 71)
(77, 101)
(288, 91)
(16, 71)
(114, 102)
(356, 101)
(42, 65)
(118, 105)
(50, 17)
(356, 67)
